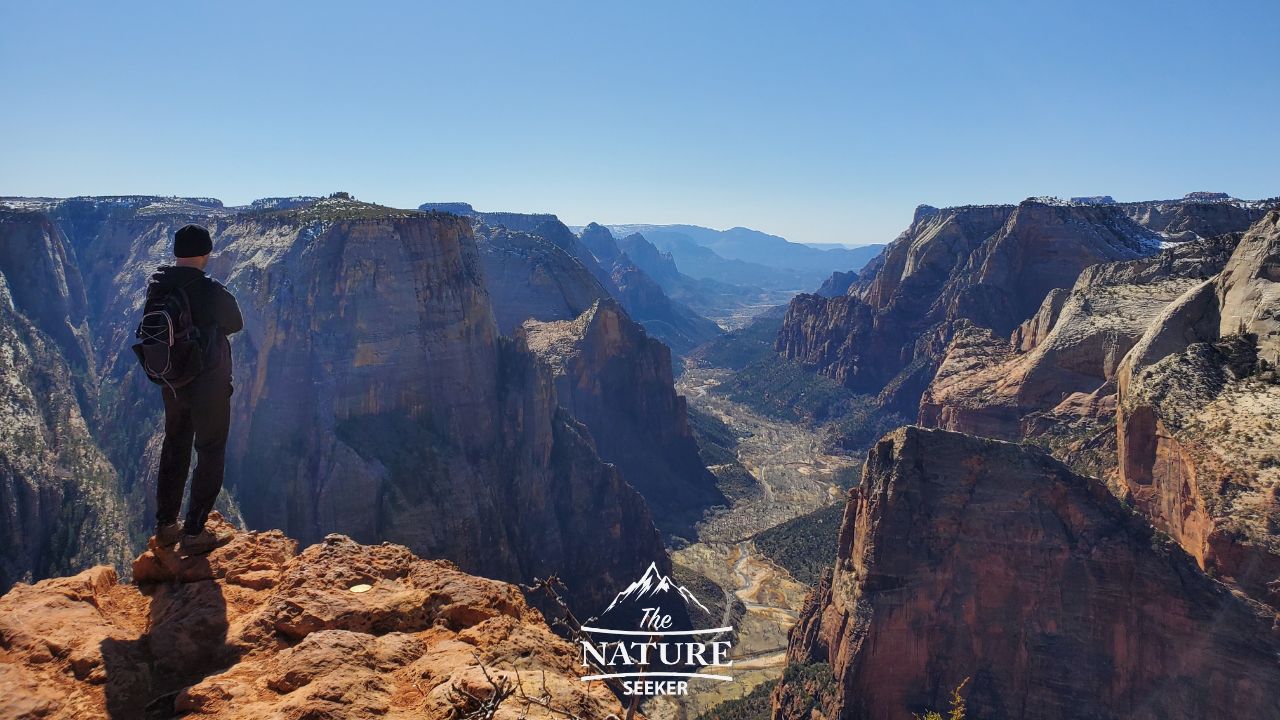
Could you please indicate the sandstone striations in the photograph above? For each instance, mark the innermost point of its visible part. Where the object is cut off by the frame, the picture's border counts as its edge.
(1199, 411)
(617, 381)
(1054, 378)
(966, 557)
(983, 266)
(374, 395)
(61, 508)
(255, 629)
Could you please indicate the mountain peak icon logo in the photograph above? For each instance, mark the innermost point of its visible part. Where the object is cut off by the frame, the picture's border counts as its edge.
(649, 645)
(653, 584)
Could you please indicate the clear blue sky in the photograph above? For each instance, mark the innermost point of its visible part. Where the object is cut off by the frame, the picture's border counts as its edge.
(823, 122)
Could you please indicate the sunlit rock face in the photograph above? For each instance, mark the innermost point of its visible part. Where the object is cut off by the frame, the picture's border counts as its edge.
(986, 266)
(257, 629)
(1053, 379)
(962, 557)
(1198, 413)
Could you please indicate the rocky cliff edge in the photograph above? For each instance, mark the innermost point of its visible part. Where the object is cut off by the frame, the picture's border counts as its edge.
(256, 629)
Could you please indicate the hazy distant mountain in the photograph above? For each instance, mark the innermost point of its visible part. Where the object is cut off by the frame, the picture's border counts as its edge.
(532, 279)
(728, 304)
(702, 262)
(754, 246)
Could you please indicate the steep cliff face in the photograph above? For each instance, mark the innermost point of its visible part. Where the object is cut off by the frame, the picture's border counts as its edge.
(1054, 378)
(867, 337)
(991, 266)
(659, 265)
(729, 306)
(965, 557)
(539, 269)
(61, 507)
(256, 629)
(373, 394)
(528, 276)
(1198, 413)
(423, 428)
(644, 298)
(1199, 215)
(838, 284)
(617, 381)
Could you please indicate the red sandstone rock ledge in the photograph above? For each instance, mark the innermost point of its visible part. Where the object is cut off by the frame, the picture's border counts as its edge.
(257, 630)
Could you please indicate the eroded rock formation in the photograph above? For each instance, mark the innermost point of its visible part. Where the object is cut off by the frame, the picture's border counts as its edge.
(985, 266)
(61, 507)
(616, 380)
(528, 277)
(255, 629)
(967, 557)
(1199, 414)
(1054, 378)
(644, 298)
(537, 268)
(374, 396)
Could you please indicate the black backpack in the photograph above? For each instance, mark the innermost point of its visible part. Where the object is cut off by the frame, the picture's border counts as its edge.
(169, 350)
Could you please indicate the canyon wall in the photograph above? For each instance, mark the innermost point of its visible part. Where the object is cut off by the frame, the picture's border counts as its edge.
(617, 381)
(1199, 412)
(961, 557)
(373, 393)
(61, 508)
(986, 266)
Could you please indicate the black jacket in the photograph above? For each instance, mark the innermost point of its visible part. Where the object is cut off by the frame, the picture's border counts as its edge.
(213, 309)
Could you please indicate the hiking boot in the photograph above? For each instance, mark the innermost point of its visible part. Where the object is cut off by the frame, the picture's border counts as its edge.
(203, 542)
(167, 535)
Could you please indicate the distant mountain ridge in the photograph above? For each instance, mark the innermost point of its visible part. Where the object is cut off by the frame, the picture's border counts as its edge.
(748, 245)
(538, 268)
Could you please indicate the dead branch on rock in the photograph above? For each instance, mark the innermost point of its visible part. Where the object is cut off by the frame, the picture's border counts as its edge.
(551, 587)
(468, 706)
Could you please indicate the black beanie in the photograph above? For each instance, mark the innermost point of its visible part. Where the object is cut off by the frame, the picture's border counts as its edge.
(191, 241)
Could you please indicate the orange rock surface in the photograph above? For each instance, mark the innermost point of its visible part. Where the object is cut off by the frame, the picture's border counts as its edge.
(256, 629)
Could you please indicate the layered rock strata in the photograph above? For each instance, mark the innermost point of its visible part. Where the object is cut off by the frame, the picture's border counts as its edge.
(615, 379)
(962, 557)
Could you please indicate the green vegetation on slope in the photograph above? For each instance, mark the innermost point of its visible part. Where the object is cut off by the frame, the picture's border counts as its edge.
(755, 705)
(781, 389)
(717, 443)
(415, 456)
(806, 545)
(718, 448)
(738, 348)
(709, 594)
(813, 681)
(776, 388)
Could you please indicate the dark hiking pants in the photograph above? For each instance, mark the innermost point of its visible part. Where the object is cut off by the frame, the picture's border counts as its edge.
(198, 412)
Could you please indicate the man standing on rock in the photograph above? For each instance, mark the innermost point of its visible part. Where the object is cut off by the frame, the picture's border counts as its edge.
(186, 321)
